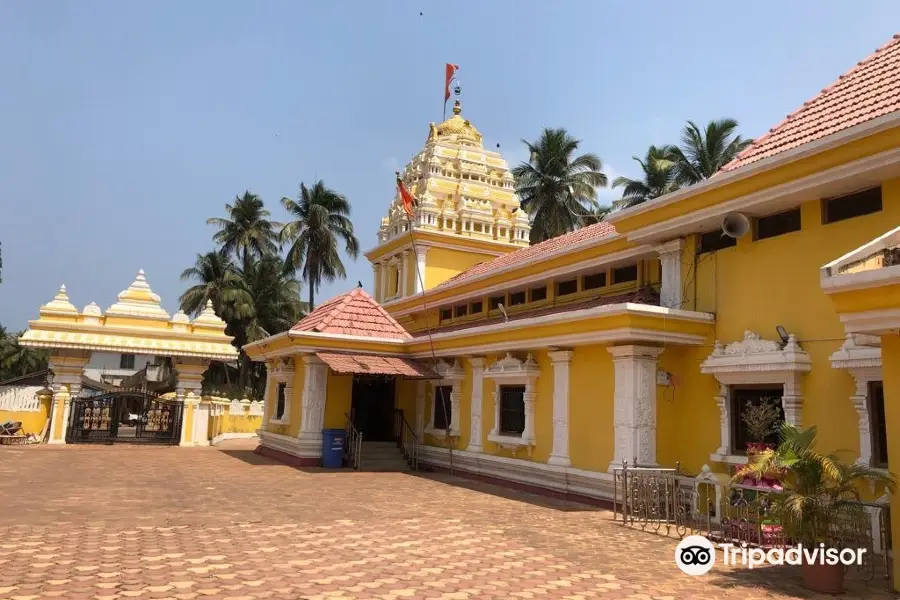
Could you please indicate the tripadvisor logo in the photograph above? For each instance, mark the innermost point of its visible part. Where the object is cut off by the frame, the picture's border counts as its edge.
(696, 555)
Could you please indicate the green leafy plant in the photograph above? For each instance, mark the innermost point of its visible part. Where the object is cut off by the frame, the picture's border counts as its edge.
(761, 419)
(820, 493)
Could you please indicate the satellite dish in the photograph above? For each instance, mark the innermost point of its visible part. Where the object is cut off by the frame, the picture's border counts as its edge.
(735, 225)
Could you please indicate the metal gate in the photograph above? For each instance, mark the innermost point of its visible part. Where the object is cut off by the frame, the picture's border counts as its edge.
(124, 416)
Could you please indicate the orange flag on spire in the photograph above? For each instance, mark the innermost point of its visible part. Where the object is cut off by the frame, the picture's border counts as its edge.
(408, 201)
(449, 71)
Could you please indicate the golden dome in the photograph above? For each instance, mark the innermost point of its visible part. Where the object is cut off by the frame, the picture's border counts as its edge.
(456, 126)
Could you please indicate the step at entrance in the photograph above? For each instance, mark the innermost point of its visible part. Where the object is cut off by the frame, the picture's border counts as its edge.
(382, 456)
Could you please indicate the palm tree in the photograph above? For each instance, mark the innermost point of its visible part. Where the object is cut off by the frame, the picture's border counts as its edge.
(219, 281)
(556, 188)
(275, 293)
(321, 219)
(659, 178)
(703, 153)
(247, 232)
(17, 360)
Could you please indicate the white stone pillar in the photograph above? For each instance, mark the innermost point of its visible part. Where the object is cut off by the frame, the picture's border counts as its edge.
(60, 403)
(421, 252)
(315, 389)
(860, 400)
(475, 434)
(792, 400)
(671, 293)
(185, 409)
(560, 453)
(266, 397)
(403, 274)
(724, 420)
(635, 404)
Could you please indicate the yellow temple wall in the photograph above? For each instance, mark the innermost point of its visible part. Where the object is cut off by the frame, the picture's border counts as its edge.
(33, 421)
(443, 263)
(590, 408)
(339, 396)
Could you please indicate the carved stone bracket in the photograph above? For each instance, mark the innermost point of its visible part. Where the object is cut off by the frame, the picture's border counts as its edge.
(860, 356)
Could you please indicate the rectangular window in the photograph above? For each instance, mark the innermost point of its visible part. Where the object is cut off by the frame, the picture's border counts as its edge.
(517, 298)
(443, 411)
(495, 301)
(592, 282)
(743, 399)
(476, 308)
(564, 288)
(281, 402)
(538, 293)
(461, 310)
(778, 224)
(512, 409)
(624, 274)
(446, 314)
(852, 205)
(879, 427)
(715, 240)
(126, 361)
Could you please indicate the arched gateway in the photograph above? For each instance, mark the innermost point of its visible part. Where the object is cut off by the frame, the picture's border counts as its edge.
(136, 325)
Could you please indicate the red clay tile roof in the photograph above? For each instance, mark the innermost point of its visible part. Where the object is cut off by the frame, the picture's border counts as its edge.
(869, 90)
(353, 313)
(591, 232)
(365, 364)
(642, 296)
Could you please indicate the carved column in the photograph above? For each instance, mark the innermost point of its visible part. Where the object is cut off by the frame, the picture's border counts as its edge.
(560, 453)
(264, 426)
(421, 252)
(189, 380)
(529, 397)
(383, 266)
(476, 409)
(635, 404)
(315, 388)
(724, 420)
(792, 400)
(671, 291)
(860, 400)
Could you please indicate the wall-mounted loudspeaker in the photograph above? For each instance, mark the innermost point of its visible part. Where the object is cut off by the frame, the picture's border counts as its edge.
(735, 225)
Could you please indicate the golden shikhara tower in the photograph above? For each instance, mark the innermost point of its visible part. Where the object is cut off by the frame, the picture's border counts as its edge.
(468, 212)
(463, 190)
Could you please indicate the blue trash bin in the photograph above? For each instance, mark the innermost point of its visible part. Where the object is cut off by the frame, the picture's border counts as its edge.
(333, 441)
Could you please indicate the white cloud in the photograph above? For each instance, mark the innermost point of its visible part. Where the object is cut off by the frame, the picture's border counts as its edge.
(608, 194)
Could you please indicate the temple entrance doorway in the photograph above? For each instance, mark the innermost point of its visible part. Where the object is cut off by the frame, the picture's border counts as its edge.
(372, 407)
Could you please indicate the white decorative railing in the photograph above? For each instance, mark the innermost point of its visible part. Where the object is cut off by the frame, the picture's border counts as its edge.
(20, 398)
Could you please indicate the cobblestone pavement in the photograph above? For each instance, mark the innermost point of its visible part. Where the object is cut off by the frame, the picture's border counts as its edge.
(134, 522)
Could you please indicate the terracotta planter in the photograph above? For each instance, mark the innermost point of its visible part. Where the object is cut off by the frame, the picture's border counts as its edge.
(758, 448)
(825, 579)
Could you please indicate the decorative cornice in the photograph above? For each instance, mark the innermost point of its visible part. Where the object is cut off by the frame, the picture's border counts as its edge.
(510, 366)
(755, 354)
(858, 352)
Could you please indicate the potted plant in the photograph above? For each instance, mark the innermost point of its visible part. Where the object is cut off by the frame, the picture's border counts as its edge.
(762, 420)
(820, 494)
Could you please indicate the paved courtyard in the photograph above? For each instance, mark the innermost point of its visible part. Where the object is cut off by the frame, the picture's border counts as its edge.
(135, 522)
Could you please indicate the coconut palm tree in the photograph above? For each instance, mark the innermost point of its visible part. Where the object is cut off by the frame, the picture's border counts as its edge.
(247, 231)
(219, 281)
(17, 360)
(703, 153)
(556, 187)
(659, 178)
(320, 221)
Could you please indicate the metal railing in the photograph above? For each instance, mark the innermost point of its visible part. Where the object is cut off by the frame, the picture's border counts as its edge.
(667, 501)
(407, 440)
(354, 444)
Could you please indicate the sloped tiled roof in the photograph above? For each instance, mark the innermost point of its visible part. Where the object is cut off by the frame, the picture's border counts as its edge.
(353, 313)
(869, 90)
(642, 296)
(368, 364)
(535, 252)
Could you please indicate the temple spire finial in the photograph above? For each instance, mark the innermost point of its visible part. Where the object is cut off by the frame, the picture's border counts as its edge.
(457, 107)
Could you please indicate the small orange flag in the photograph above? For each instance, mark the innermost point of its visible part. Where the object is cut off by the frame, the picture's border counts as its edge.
(408, 201)
(449, 71)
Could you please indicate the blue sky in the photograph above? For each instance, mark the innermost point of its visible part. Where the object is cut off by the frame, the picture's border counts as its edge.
(124, 125)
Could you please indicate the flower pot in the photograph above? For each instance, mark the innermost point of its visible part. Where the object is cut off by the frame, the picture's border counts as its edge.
(825, 579)
(758, 448)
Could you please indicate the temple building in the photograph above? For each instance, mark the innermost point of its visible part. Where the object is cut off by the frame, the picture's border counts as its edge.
(644, 338)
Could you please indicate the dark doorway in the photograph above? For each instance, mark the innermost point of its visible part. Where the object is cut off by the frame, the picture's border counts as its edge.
(373, 407)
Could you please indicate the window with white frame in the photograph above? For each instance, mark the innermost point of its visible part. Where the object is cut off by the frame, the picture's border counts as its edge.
(514, 398)
(446, 396)
(755, 407)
